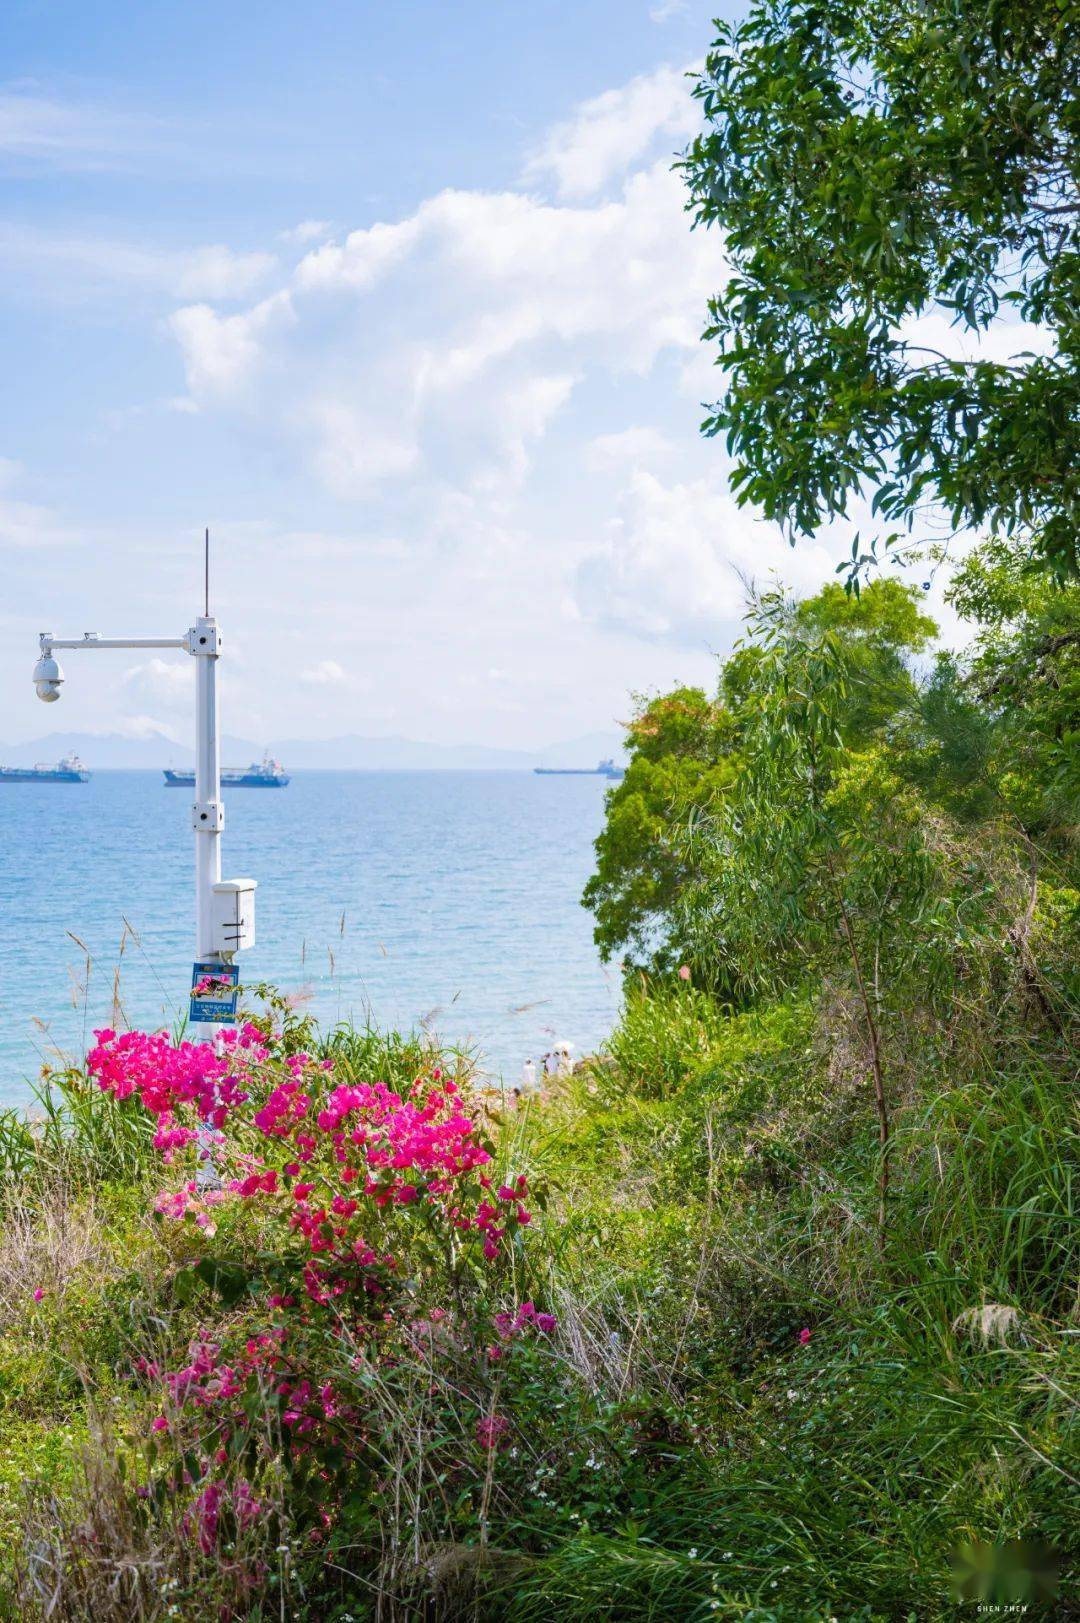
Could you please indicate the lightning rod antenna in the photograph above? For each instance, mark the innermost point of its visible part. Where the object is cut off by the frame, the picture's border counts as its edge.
(206, 569)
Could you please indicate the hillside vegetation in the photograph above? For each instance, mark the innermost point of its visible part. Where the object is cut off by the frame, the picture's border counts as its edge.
(769, 1311)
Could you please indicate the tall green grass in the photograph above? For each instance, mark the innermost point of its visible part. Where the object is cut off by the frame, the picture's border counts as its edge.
(932, 1411)
(72, 1128)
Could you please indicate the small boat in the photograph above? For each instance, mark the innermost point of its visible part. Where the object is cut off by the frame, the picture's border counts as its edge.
(69, 770)
(264, 774)
(605, 769)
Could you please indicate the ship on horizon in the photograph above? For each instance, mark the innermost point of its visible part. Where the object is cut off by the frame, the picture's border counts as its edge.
(68, 770)
(604, 769)
(265, 774)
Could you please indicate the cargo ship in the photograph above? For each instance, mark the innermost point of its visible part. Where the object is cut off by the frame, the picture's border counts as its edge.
(605, 769)
(264, 774)
(69, 770)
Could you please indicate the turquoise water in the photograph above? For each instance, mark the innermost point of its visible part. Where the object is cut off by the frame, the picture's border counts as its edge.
(450, 897)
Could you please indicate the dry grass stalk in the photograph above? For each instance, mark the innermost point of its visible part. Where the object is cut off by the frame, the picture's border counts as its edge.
(44, 1243)
(993, 1324)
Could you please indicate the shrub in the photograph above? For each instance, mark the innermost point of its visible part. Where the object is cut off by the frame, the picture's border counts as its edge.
(328, 1239)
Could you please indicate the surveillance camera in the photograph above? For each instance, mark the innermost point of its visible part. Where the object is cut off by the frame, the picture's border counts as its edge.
(47, 679)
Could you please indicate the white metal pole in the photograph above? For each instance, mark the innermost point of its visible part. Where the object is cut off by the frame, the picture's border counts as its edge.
(208, 814)
(207, 817)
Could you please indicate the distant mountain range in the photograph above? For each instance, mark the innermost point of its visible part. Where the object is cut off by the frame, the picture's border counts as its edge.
(351, 751)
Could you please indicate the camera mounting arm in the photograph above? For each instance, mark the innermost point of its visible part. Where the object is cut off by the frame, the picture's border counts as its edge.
(90, 639)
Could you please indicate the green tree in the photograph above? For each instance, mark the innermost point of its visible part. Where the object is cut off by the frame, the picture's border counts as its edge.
(686, 751)
(823, 866)
(995, 730)
(1023, 670)
(682, 758)
(873, 163)
(880, 629)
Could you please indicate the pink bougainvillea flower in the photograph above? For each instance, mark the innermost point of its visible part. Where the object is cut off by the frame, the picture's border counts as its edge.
(39, 1294)
(526, 1318)
(340, 1177)
(804, 1336)
(491, 1429)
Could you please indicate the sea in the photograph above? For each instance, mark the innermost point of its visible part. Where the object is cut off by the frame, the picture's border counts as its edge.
(447, 900)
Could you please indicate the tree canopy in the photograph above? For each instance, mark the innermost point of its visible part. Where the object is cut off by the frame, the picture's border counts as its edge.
(881, 170)
(682, 758)
(688, 752)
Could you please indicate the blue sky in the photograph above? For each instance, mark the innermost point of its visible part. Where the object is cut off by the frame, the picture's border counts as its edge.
(401, 300)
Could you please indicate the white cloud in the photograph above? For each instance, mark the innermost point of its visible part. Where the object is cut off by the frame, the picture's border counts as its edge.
(161, 681)
(218, 273)
(615, 131)
(351, 451)
(667, 9)
(221, 352)
(935, 334)
(446, 345)
(40, 130)
(676, 560)
(363, 259)
(24, 523)
(80, 265)
(327, 673)
(480, 379)
(306, 231)
(627, 447)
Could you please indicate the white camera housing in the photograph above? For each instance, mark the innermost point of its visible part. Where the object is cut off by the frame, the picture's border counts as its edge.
(47, 679)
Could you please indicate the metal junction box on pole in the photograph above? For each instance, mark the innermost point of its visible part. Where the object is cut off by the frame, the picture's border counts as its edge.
(232, 916)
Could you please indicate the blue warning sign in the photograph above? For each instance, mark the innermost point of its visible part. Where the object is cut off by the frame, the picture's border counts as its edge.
(215, 992)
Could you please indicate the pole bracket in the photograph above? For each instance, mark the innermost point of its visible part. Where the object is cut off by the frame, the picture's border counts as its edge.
(204, 638)
(208, 816)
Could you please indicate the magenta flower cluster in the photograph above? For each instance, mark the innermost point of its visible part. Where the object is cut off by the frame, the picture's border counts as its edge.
(202, 1079)
(326, 1155)
(351, 1184)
